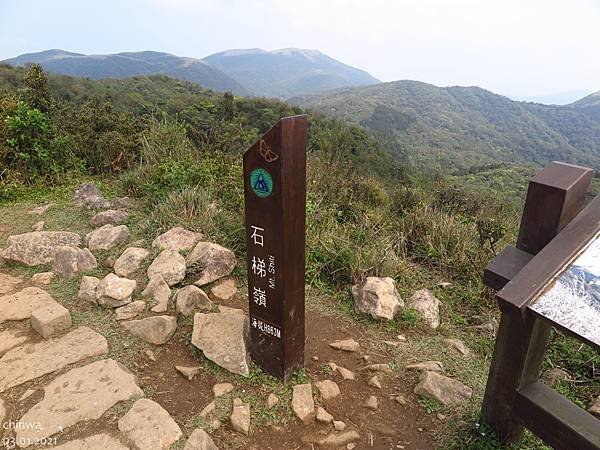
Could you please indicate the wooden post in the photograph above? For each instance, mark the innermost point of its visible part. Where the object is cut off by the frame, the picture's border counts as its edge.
(275, 210)
(555, 196)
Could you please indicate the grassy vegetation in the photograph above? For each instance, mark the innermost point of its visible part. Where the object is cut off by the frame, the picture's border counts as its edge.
(176, 150)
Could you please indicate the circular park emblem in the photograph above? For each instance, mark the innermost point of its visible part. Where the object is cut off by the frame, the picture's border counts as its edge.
(261, 182)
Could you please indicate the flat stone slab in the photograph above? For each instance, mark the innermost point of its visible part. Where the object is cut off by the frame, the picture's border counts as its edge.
(147, 426)
(20, 305)
(12, 338)
(223, 338)
(30, 361)
(37, 247)
(8, 283)
(82, 394)
(51, 320)
(96, 442)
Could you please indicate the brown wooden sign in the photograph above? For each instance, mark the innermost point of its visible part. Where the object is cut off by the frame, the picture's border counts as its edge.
(275, 211)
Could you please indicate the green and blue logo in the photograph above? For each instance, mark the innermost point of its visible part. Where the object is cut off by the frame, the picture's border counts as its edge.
(261, 182)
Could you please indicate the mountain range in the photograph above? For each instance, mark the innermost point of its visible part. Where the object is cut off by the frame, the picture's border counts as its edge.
(453, 128)
(466, 126)
(251, 72)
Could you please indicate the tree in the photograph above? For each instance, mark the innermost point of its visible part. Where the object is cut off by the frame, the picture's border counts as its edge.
(37, 94)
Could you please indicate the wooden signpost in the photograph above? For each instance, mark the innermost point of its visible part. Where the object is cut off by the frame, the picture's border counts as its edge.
(275, 211)
(554, 236)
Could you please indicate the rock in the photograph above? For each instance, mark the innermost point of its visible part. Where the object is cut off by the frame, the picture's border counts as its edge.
(374, 381)
(339, 425)
(38, 226)
(401, 338)
(384, 368)
(372, 403)
(130, 260)
(216, 262)
(40, 209)
(37, 247)
(228, 310)
(177, 239)
(444, 284)
(20, 305)
(446, 390)
(303, 403)
(337, 440)
(31, 361)
(348, 345)
(393, 344)
(110, 216)
(43, 278)
(489, 326)
(200, 440)
(208, 410)
(346, 374)
(378, 297)
(158, 290)
(70, 260)
(272, 400)
(169, 264)
(191, 298)
(323, 416)
(240, 416)
(113, 291)
(221, 389)
(554, 375)
(149, 427)
(130, 311)
(401, 399)
(224, 290)
(427, 366)
(89, 196)
(12, 338)
(594, 408)
(150, 355)
(328, 389)
(51, 320)
(189, 372)
(8, 283)
(107, 237)
(88, 288)
(96, 442)
(82, 394)
(425, 303)
(121, 203)
(156, 330)
(458, 345)
(223, 338)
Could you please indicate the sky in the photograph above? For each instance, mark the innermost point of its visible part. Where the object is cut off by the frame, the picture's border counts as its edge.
(518, 48)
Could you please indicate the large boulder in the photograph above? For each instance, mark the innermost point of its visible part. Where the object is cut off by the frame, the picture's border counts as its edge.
(130, 261)
(110, 216)
(378, 297)
(190, 299)
(170, 265)
(114, 291)
(156, 330)
(107, 237)
(425, 303)
(37, 247)
(89, 196)
(223, 338)
(215, 262)
(70, 260)
(445, 390)
(177, 239)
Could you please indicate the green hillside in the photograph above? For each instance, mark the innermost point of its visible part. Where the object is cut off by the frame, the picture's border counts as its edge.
(460, 127)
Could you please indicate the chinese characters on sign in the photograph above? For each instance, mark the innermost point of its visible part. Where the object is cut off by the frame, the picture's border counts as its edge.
(275, 204)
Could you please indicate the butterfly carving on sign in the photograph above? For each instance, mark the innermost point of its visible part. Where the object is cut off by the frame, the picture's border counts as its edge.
(266, 152)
